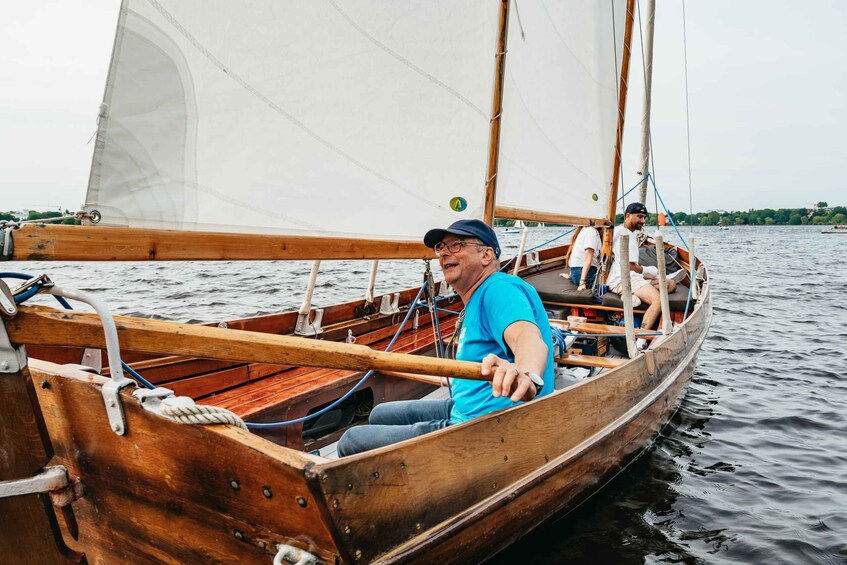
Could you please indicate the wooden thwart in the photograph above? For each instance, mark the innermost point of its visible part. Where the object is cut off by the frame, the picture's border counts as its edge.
(590, 361)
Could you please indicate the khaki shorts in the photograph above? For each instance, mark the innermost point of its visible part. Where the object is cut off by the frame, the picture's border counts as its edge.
(637, 282)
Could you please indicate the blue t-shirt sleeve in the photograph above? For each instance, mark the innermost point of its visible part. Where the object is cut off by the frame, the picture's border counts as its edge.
(504, 304)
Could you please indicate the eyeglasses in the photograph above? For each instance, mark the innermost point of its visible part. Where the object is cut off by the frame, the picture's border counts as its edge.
(454, 246)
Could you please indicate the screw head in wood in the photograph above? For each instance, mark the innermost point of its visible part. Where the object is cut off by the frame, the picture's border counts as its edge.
(267, 492)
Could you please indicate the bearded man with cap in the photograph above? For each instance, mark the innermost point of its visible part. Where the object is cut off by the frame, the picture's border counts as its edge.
(505, 327)
(644, 280)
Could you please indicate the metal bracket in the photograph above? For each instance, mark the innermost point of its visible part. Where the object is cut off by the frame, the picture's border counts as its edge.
(7, 244)
(444, 289)
(49, 479)
(8, 306)
(390, 304)
(42, 279)
(151, 400)
(305, 327)
(114, 408)
(12, 359)
(532, 259)
(92, 358)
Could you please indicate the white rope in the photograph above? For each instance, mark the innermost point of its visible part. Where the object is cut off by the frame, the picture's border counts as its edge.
(293, 555)
(183, 410)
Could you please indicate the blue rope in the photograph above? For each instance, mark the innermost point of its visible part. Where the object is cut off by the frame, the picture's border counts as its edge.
(349, 393)
(558, 340)
(560, 236)
(34, 290)
(668, 214)
(135, 375)
(634, 187)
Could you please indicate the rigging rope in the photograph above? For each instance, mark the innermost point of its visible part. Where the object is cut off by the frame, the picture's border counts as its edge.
(334, 404)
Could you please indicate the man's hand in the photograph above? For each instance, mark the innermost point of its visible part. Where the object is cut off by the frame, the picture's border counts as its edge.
(650, 272)
(507, 379)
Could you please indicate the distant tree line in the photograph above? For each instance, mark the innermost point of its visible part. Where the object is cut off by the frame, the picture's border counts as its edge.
(821, 214)
(33, 215)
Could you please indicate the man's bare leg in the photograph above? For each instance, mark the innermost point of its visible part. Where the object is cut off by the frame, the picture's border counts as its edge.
(649, 294)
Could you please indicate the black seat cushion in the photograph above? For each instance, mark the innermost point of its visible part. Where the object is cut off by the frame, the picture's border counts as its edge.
(647, 257)
(676, 299)
(552, 287)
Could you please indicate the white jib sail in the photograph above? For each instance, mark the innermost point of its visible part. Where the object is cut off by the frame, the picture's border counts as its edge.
(560, 106)
(345, 118)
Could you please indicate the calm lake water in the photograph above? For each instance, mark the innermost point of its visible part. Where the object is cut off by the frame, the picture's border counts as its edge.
(752, 468)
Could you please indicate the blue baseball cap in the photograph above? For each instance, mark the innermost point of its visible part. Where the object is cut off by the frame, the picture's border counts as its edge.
(472, 228)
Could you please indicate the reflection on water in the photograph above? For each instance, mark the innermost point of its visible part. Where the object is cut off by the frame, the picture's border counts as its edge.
(751, 469)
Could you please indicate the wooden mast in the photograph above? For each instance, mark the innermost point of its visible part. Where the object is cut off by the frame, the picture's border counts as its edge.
(624, 83)
(496, 112)
(644, 167)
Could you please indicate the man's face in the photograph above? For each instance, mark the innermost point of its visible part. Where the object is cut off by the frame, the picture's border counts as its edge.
(635, 221)
(464, 267)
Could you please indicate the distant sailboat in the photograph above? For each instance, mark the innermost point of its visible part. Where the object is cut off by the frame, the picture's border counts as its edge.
(517, 228)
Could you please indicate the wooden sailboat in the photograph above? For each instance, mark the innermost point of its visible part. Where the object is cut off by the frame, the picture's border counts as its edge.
(92, 466)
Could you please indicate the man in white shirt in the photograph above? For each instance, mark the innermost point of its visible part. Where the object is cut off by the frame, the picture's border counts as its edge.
(644, 280)
(584, 257)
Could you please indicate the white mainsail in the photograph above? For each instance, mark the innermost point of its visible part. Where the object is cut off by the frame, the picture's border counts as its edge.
(349, 118)
(560, 106)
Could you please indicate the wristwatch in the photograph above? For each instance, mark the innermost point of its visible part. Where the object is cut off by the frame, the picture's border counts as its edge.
(536, 380)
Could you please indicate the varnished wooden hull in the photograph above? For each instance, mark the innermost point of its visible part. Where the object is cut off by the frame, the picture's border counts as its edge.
(180, 494)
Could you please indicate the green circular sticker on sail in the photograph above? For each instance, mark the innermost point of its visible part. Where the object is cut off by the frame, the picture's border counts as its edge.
(458, 204)
(594, 197)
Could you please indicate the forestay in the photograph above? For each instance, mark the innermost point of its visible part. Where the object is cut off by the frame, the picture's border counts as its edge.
(350, 118)
(560, 106)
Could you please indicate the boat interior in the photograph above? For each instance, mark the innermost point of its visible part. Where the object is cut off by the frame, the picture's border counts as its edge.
(267, 393)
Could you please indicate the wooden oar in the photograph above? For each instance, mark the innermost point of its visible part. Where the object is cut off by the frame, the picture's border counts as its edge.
(45, 326)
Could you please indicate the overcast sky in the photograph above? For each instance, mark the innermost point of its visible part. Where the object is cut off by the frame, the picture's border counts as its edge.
(767, 102)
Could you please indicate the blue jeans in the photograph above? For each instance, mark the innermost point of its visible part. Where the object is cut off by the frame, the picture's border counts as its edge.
(576, 274)
(396, 421)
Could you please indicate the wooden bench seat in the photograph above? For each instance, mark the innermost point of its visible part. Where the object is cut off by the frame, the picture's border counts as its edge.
(590, 361)
(301, 383)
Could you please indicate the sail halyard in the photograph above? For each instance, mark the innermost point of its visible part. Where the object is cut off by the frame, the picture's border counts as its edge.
(238, 119)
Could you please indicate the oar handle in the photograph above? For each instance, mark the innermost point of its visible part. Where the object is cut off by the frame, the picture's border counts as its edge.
(44, 326)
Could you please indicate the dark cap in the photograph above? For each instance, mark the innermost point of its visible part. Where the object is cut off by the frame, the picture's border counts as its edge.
(636, 208)
(472, 228)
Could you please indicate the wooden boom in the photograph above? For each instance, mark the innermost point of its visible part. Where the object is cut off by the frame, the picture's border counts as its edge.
(44, 242)
(38, 325)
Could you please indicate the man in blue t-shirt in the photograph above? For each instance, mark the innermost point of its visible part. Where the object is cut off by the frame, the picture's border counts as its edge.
(505, 328)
